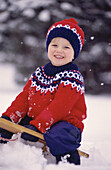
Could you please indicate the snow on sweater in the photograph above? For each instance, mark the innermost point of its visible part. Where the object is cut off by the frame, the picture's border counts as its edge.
(52, 94)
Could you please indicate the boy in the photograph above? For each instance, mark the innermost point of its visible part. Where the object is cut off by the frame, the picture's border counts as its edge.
(52, 102)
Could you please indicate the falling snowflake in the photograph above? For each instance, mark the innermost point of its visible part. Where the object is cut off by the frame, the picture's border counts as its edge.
(92, 37)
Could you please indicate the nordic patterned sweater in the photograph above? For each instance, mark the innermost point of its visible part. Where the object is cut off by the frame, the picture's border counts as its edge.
(52, 94)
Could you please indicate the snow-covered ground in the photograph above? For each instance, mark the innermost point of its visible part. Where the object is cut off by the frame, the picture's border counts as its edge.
(96, 136)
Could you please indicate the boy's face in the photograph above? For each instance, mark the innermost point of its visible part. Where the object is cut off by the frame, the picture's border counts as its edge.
(60, 51)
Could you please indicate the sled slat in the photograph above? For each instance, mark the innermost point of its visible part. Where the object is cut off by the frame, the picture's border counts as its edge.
(15, 128)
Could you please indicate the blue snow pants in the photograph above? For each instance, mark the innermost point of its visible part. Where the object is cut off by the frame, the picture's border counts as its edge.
(63, 138)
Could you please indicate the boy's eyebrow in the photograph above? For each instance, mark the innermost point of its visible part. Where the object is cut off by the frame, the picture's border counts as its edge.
(66, 45)
(54, 43)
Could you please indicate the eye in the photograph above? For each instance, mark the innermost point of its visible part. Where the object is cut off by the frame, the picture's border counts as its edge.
(54, 45)
(66, 47)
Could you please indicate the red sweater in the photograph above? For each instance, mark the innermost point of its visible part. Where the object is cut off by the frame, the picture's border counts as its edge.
(51, 95)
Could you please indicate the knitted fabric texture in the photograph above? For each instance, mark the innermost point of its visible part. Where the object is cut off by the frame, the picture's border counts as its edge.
(69, 30)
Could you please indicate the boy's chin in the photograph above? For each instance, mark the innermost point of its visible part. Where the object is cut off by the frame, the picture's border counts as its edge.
(58, 64)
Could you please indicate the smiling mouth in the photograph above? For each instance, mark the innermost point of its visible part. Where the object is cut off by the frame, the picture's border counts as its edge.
(58, 57)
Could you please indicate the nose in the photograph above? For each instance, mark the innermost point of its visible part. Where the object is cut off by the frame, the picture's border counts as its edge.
(59, 50)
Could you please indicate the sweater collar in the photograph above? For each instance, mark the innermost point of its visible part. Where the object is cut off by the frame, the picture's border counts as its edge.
(51, 70)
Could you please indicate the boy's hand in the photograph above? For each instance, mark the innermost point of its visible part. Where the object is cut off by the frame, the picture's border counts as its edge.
(29, 137)
(4, 133)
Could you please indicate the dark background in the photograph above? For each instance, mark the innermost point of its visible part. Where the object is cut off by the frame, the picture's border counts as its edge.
(23, 28)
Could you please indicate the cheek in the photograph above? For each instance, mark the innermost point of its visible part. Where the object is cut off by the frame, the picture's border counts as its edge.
(73, 57)
(50, 50)
(50, 53)
(70, 56)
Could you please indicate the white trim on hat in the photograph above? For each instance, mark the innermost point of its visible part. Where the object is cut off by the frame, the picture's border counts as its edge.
(67, 26)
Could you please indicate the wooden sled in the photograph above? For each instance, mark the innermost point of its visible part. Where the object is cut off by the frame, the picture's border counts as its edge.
(15, 128)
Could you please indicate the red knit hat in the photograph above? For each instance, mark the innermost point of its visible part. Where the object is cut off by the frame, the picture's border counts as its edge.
(69, 30)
